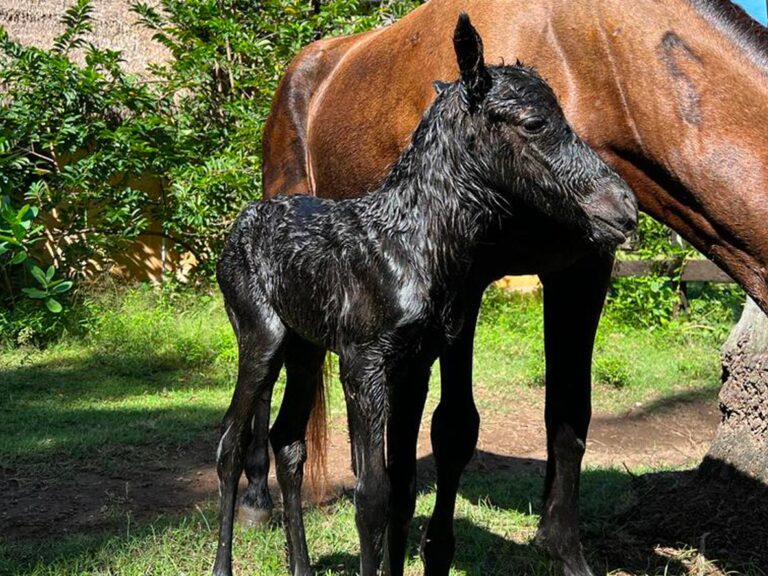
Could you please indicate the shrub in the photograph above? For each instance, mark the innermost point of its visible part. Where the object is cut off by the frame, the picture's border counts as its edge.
(655, 300)
(75, 138)
(611, 370)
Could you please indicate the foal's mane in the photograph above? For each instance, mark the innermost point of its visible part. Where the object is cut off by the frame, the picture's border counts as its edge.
(735, 23)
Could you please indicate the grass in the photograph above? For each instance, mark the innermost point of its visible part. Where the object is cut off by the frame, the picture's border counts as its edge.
(154, 376)
(631, 365)
(496, 520)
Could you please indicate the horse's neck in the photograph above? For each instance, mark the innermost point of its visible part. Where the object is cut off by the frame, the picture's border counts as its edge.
(688, 90)
(684, 102)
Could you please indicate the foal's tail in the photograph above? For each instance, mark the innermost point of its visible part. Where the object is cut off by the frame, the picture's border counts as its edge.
(317, 435)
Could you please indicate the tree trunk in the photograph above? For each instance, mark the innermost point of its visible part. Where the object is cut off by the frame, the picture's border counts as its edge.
(741, 442)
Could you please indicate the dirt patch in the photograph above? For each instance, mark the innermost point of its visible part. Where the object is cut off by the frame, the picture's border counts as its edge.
(670, 434)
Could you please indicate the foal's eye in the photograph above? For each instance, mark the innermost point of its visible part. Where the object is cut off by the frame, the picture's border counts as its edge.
(533, 124)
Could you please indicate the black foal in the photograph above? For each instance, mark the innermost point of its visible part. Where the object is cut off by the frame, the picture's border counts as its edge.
(382, 280)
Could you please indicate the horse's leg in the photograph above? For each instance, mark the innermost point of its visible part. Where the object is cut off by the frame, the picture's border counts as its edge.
(259, 359)
(455, 426)
(256, 505)
(365, 391)
(573, 300)
(304, 375)
(406, 405)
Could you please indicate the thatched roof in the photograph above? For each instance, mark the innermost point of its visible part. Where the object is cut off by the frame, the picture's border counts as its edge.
(37, 22)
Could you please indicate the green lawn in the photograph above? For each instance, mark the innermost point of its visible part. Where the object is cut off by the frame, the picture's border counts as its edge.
(154, 377)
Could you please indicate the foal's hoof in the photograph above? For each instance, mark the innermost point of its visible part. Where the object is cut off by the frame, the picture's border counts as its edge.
(251, 517)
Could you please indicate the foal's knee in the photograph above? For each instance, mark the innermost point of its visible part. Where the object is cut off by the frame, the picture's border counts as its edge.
(289, 461)
(372, 495)
(230, 448)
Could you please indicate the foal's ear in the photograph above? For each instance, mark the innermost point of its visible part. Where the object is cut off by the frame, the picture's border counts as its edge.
(439, 86)
(468, 45)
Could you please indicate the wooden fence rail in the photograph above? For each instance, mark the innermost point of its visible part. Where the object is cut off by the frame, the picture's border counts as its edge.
(693, 270)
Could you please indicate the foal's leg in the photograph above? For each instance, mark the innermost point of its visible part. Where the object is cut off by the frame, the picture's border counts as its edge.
(406, 405)
(259, 358)
(365, 390)
(303, 365)
(256, 505)
(455, 426)
(573, 300)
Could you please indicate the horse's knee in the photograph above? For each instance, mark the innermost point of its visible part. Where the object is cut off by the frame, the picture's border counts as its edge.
(567, 446)
(454, 434)
(403, 501)
(565, 453)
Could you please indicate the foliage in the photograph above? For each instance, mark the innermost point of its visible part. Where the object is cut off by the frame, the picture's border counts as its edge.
(655, 300)
(71, 136)
(90, 155)
(646, 301)
(146, 329)
(36, 315)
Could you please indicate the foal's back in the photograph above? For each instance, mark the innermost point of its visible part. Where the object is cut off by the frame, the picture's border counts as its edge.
(324, 267)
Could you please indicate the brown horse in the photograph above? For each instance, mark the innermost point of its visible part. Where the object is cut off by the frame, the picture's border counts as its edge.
(672, 94)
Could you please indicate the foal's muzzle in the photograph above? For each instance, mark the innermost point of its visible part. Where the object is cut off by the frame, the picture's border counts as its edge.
(612, 211)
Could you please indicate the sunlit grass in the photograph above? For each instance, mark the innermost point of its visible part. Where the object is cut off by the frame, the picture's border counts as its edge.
(161, 368)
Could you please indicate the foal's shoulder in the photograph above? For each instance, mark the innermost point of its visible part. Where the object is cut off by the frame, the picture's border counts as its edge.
(299, 207)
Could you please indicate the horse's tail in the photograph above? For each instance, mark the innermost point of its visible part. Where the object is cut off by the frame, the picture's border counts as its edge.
(317, 435)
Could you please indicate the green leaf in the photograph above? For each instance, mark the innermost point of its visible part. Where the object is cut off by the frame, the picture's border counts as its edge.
(19, 258)
(53, 305)
(35, 293)
(39, 275)
(49, 274)
(64, 286)
(19, 231)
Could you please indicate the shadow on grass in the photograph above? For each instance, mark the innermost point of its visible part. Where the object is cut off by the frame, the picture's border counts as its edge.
(94, 375)
(643, 524)
(628, 523)
(479, 552)
(87, 412)
(88, 439)
(143, 462)
(657, 523)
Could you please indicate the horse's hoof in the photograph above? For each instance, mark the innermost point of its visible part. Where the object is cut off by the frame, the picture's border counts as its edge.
(571, 558)
(581, 569)
(253, 517)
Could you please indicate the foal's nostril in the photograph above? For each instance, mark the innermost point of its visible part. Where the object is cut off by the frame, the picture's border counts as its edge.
(630, 204)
